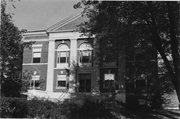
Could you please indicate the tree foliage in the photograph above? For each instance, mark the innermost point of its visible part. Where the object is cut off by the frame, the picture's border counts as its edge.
(11, 55)
(155, 21)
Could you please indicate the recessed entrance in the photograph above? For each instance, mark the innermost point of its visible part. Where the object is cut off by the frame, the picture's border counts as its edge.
(84, 82)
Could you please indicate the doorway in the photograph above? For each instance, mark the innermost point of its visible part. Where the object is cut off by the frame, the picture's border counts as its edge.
(84, 82)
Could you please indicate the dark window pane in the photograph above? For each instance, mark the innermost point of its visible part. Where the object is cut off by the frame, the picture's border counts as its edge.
(67, 60)
(31, 83)
(34, 84)
(61, 83)
(88, 85)
(85, 59)
(82, 86)
(85, 56)
(37, 83)
(84, 82)
(63, 60)
(109, 84)
(84, 76)
(36, 60)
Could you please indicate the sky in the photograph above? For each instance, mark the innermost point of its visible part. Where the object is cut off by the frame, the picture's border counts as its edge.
(41, 14)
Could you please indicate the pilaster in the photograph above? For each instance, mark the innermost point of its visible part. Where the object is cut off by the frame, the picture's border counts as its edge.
(50, 68)
(73, 62)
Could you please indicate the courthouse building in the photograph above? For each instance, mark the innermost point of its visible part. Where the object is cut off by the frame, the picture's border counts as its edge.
(61, 62)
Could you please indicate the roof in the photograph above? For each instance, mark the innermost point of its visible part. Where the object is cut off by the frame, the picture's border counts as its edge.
(69, 24)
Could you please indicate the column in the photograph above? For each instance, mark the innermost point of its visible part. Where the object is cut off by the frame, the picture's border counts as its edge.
(50, 68)
(73, 62)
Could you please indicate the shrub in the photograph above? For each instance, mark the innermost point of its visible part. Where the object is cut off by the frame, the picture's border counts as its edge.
(44, 109)
(84, 107)
(22, 108)
(13, 107)
(80, 107)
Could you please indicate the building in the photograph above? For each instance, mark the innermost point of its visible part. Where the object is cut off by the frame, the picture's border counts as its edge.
(61, 62)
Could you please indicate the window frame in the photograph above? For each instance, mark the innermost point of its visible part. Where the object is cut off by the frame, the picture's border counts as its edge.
(33, 80)
(109, 83)
(60, 50)
(82, 49)
(61, 76)
(36, 48)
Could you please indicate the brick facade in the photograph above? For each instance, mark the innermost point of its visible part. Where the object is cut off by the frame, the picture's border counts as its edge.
(83, 78)
(41, 70)
(27, 57)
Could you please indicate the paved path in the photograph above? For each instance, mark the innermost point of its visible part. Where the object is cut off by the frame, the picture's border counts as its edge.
(120, 112)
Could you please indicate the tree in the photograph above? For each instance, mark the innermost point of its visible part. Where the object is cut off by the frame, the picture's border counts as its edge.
(155, 21)
(11, 55)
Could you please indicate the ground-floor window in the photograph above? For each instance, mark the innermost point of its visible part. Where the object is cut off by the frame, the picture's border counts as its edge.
(84, 82)
(109, 81)
(34, 82)
(61, 81)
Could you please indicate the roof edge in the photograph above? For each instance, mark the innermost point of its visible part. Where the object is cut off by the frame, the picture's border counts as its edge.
(64, 22)
(36, 33)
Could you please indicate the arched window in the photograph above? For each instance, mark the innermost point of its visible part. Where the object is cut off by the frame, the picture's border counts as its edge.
(62, 54)
(85, 53)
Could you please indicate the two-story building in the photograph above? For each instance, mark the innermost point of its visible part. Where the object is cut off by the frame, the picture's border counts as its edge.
(60, 61)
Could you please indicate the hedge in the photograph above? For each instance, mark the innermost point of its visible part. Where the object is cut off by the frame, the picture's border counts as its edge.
(74, 108)
(22, 108)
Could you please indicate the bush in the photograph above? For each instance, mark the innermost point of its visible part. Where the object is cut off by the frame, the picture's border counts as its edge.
(80, 107)
(84, 107)
(44, 109)
(13, 107)
(22, 108)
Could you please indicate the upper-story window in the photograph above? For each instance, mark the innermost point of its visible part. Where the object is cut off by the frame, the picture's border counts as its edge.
(36, 48)
(85, 53)
(62, 55)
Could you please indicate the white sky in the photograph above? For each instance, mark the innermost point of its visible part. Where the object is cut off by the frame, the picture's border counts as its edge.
(41, 14)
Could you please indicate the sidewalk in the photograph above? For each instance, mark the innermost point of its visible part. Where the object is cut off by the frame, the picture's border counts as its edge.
(173, 114)
(121, 112)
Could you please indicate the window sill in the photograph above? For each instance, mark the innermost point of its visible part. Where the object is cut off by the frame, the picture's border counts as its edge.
(85, 64)
(62, 66)
(34, 63)
(61, 88)
(34, 88)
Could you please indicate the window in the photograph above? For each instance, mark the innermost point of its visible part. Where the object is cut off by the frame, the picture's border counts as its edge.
(109, 80)
(85, 53)
(34, 83)
(62, 54)
(61, 81)
(62, 57)
(37, 53)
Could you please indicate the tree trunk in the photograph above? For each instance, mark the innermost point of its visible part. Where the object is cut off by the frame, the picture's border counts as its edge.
(174, 44)
(172, 71)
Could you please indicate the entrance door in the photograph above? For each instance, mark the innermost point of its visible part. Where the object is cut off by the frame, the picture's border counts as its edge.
(84, 82)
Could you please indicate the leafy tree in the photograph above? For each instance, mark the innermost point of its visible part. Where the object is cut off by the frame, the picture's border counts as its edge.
(155, 21)
(11, 55)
